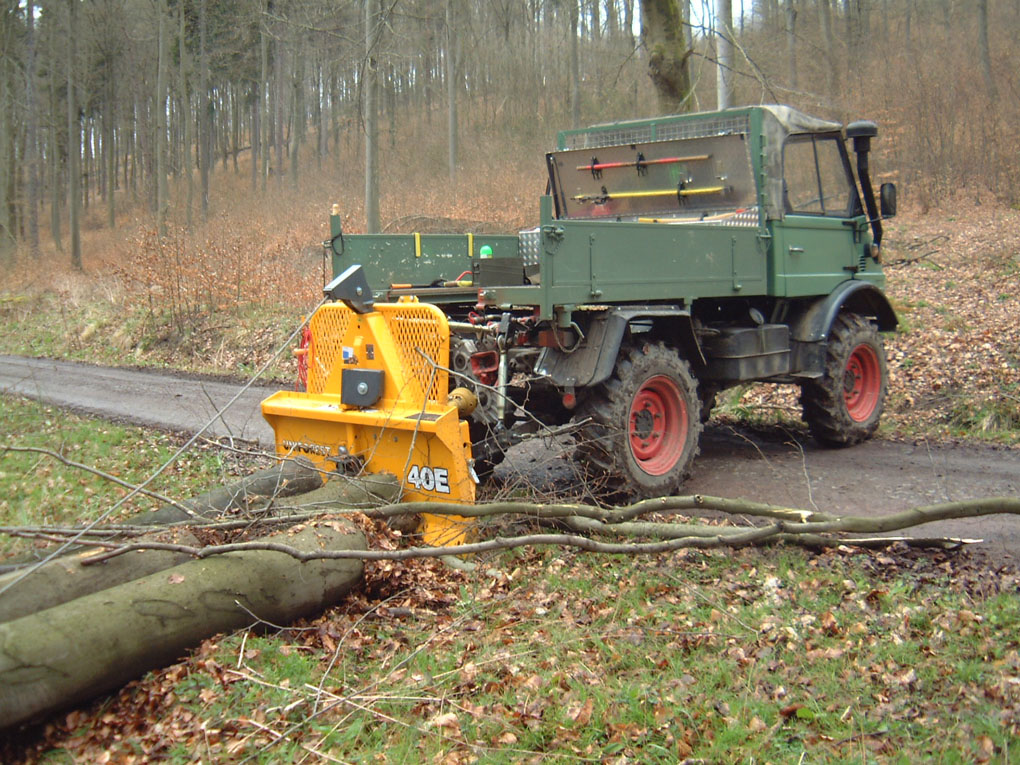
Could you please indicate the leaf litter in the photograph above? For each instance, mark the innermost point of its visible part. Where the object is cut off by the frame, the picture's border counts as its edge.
(752, 653)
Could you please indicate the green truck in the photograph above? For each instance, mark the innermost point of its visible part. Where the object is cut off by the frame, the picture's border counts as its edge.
(675, 257)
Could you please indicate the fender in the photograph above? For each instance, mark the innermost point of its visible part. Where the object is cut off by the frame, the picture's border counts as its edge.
(810, 330)
(594, 360)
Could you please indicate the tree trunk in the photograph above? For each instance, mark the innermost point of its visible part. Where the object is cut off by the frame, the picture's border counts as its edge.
(297, 133)
(7, 238)
(68, 577)
(73, 139)
(369, 79)
(187, 166)
(575, 67)
(791, 43)
(825, 22)
(724, 55)
(984, 54)
(54, 168)
(662, 33)
(162, 202)
(451, 87)
(64, 579)
(109, 147)
(204, 111)
(31, 134)
(264, 104)
(94, 644)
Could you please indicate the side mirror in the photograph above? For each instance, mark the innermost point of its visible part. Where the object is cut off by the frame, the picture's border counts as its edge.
(887, 200)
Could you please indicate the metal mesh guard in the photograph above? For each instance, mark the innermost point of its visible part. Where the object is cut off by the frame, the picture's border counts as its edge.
(412, 326)
(421, 326)
(599, 136)
(328, 326)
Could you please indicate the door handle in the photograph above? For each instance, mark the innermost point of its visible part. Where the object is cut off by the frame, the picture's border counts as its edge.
(796, 250)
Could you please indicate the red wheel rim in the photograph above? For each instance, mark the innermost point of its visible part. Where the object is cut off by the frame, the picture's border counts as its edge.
(657, 425)
(862, 382)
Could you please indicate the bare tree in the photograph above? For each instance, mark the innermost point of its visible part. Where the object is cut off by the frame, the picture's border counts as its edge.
(73, 138)
(724, 54)
(31, 133)
(370, 87)
(790, 15)
(162, 200)
(452, 89)
(984, 55)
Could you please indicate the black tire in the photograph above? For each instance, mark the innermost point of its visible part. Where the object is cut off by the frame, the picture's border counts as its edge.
(643, 458)
(844, 405)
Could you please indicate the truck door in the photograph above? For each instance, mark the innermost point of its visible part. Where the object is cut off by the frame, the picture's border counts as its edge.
(818, 242)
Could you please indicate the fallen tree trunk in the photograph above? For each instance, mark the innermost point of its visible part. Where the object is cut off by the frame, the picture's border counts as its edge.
(288, 478)
(72, 652)
(65, 578)
(68, 577)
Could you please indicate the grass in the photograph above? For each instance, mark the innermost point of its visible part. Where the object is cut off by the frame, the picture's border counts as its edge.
(36, 489)
(760, 655)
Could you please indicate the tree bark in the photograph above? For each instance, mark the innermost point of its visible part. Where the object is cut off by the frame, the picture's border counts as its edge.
(451, 87)
(187, 166)
(825, 21)
(575, 67)
(70, 653)
(205, 111)
(284, 480)
(73, 139)
(370, 85)
(31, 134)
(162, 201)
(984, 53)
(65, 579)
(724, 54)
(668, 55)
(72, 576)
(790, 13)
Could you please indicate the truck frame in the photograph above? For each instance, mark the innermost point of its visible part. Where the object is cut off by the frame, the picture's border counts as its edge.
(674, 257)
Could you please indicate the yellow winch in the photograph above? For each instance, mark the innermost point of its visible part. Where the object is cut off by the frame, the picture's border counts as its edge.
(377, 400)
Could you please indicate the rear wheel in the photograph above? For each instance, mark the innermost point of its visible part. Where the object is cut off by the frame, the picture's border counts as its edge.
(645, 422)
(843, 406)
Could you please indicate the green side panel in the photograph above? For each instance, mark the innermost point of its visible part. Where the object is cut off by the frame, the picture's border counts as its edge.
(812, 253)
(585, 262)
(418, 260)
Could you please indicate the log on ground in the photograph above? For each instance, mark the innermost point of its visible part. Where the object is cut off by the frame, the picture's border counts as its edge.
(287, 479)
(65, 578)
(73, 652)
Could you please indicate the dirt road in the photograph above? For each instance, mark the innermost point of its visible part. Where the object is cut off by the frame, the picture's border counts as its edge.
(873, 478)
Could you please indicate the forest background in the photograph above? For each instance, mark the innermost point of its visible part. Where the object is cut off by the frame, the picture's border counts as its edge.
(167, 166)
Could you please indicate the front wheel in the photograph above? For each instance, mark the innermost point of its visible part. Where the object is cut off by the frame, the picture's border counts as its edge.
(844, 405)
(644, 422)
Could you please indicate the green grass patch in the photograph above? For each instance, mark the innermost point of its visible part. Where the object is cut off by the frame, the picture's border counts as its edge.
(761, 655)
(36, 489)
